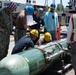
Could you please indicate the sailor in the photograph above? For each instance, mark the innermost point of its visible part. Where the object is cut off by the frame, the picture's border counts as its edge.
(71, 39)
(37, 17)
(26, 42)
(6, 26)
(21, 22)
(51, 21)
(46, 39)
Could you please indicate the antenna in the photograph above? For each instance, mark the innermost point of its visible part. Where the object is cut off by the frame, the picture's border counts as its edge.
(46, 5)
(46, 2)
(61, 5)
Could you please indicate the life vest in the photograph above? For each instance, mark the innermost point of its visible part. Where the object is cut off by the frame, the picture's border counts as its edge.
(73, 36)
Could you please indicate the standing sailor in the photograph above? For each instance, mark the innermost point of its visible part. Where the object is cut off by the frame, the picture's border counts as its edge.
(6, 26)
(51, 21)
(21, 22)
(71, 40)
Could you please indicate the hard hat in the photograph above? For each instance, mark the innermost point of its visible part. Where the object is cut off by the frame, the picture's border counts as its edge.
(12, 6)
(34, 32)
(53, 5)
(29, 10)
(47, 36)
(40, 10)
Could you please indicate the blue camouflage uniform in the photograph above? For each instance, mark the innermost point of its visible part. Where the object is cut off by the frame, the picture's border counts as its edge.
(23, 44)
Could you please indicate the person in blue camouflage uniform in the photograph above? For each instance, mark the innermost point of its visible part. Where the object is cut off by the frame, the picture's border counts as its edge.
(26, 42)
(6, 25)
(21, 23)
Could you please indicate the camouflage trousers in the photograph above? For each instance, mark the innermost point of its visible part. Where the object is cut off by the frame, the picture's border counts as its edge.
(4, 44)
(19, 33)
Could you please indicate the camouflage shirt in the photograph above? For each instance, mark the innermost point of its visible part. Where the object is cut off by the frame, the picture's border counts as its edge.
(6, 21)
(6, 25)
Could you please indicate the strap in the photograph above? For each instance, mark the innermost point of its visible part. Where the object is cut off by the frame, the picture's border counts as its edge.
(72, 36)
(72, 20)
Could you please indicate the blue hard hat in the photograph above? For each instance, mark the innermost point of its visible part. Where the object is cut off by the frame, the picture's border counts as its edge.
(40, 10)
(29, 9)
(53, 5)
